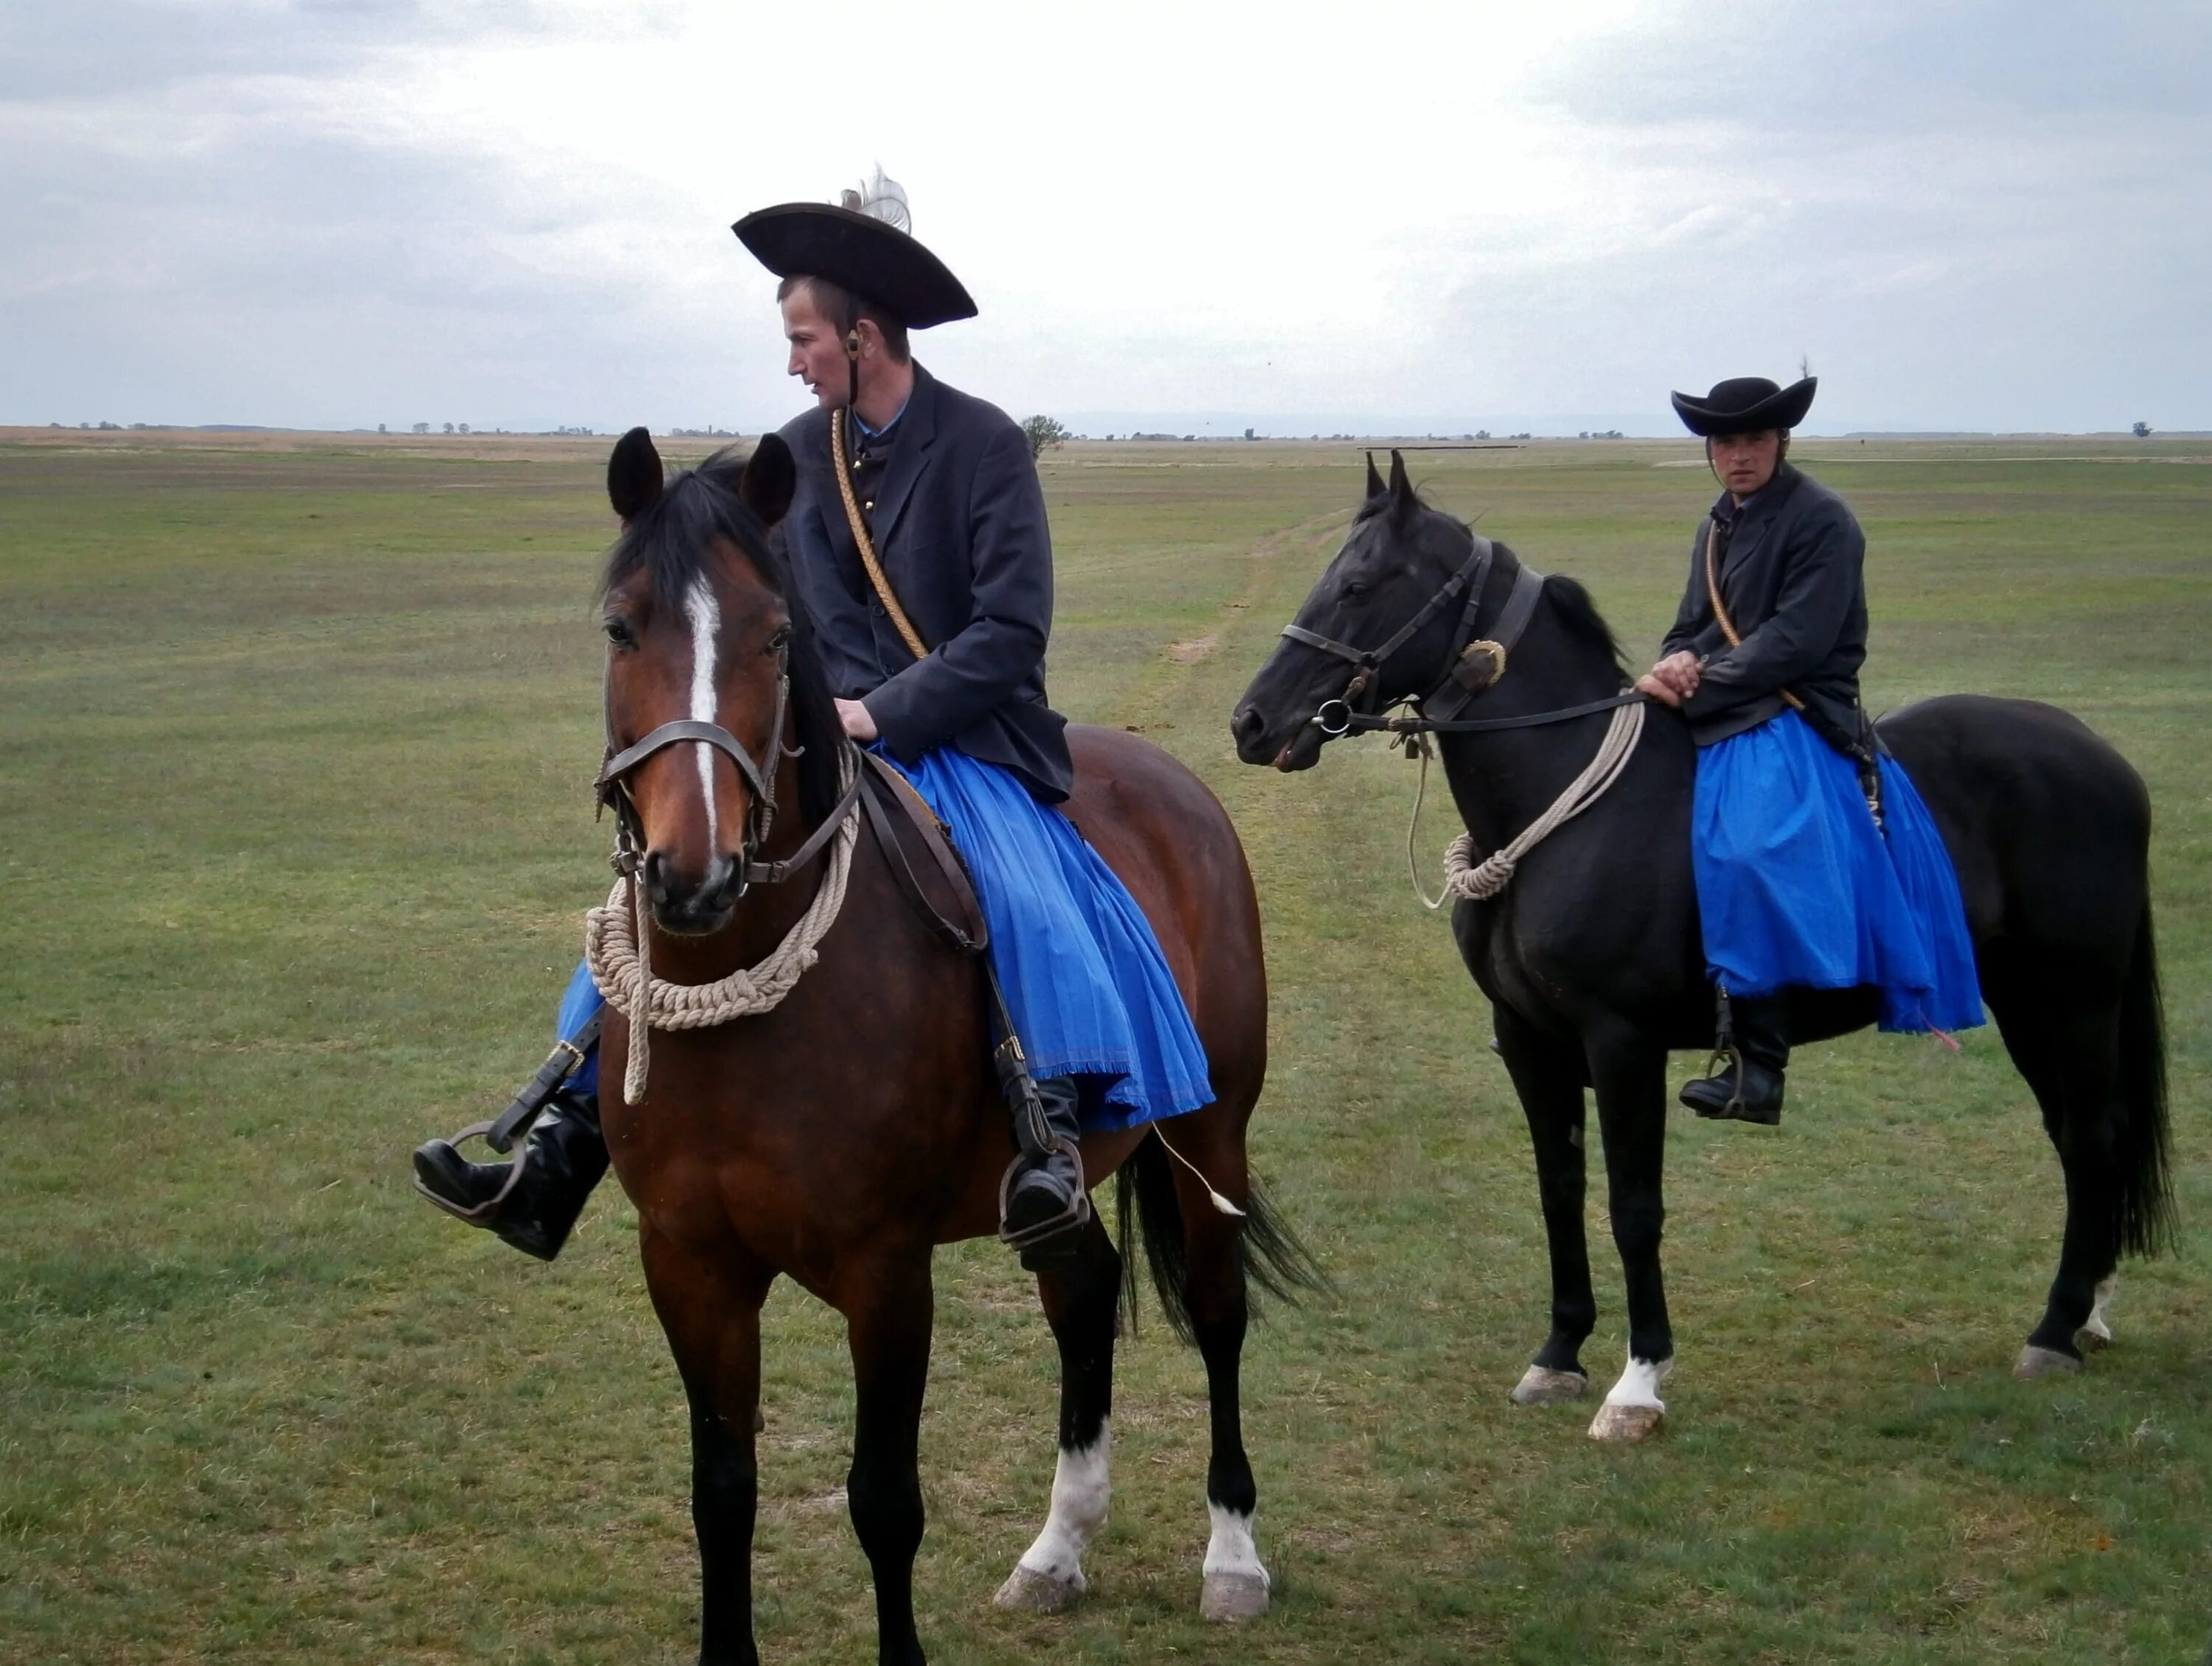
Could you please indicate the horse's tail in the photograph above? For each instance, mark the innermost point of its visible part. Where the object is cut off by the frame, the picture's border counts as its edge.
(1144, 1199)
(2146, 1201)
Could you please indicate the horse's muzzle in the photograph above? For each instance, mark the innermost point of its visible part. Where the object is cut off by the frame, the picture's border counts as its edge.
(688, 906)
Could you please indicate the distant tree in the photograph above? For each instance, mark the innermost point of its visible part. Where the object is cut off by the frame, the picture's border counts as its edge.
(380, 427)
(2141, 430)
(1042, 432)
(421, 428)
(1482, 434)
(449, 427)
(464, 428)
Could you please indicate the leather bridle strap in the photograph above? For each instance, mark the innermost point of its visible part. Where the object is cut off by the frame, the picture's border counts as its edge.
(674, 734)
(1473, 570)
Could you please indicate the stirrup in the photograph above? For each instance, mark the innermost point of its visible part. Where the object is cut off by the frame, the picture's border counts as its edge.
(483, 1214)
(1076, 1215)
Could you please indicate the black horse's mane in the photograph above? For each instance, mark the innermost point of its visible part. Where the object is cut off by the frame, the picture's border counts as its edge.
(672, 541)
(1575, 610)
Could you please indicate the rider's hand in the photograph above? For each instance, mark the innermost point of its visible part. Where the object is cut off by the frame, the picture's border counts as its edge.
(1663, 692)
(858, 724)
(1679, 672)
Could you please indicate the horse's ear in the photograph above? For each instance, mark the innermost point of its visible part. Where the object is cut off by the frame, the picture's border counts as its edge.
(1374, 479)
(633, 475)
(770, 480)
(1402, 497)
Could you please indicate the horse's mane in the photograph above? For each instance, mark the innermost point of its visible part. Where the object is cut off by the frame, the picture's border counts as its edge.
(672, 541)
(1580, 615)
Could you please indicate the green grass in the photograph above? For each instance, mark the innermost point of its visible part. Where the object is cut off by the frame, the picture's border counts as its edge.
(297, 842)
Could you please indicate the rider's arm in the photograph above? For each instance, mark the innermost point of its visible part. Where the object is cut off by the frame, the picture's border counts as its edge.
(1010, 554)
(1822, 578)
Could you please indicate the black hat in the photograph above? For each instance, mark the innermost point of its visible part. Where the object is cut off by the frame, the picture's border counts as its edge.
(1745, 404)
(872, 255)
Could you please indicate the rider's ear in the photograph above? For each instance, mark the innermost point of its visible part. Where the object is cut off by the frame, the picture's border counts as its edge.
(633, 475)
(770, 479)
(1374, 479)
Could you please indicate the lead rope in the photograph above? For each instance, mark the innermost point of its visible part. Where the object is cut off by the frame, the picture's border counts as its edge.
(1478, 882)
(616, 940)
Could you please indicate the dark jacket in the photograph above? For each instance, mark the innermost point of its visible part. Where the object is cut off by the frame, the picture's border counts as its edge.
(958, 523)
(1791, 575)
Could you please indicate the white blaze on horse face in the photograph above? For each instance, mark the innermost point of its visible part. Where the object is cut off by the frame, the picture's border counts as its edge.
(705, 614)
(1079, 1510)
(1230, 1549)
(1639, 1383)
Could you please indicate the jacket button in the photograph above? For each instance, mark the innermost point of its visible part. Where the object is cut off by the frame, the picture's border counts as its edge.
(869, 506)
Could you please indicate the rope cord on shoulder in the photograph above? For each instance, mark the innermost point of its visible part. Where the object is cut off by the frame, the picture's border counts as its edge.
(907, 634)
(615, 949)
(1479, 881)
(1720, 608)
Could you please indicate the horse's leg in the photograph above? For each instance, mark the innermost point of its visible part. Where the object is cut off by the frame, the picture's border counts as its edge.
(889, 1312)
(2067, 1050)
(1548, 1077)
(1237, 1583)
(1080, 1301)
(1630, 1071)
(710, 1308)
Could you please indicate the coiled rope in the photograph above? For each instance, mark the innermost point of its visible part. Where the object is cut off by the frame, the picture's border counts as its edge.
(1478, 882)
(615, 938)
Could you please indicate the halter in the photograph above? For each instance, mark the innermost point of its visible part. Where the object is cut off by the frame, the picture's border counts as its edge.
(1340, 716)
(612, 790)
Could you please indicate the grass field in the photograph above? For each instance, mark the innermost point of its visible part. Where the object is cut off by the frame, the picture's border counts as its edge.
(294, 762)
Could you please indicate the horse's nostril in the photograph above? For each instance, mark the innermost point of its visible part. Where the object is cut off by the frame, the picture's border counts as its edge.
(656, 875)
(1247, 724)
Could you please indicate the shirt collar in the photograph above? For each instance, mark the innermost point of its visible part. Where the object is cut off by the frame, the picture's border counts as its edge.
(867, 433)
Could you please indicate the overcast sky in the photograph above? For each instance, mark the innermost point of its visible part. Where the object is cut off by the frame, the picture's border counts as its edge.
(1378, 216)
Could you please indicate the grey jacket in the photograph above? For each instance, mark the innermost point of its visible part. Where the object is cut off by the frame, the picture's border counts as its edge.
(958, 523)
(1791, 575)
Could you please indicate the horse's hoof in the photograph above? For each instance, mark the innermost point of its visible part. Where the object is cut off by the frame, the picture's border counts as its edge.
(1615, 1424)
(1233, 1597)
(1539, 1385)
(2036, 1362)
(1030, 1592)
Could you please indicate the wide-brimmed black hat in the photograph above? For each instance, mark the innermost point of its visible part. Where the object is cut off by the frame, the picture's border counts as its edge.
(859, 253)
(1745, 404)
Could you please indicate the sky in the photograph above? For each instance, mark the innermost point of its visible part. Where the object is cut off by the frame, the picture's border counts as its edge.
(1382, 218)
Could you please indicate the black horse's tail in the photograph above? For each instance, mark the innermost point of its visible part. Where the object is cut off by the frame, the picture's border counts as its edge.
(2146, 1203)
(1145, 1202)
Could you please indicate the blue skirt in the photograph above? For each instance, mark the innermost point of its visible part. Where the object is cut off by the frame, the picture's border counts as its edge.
(1084, 976)
(1797, 885)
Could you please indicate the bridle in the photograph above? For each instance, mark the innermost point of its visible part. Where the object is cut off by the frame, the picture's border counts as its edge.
(1473, 666)
(612, 790)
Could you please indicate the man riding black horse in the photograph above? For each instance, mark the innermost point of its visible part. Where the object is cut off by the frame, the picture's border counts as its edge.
(918, 539)
(1817, 866)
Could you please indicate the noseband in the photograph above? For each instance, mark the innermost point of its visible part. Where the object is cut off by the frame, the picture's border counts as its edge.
(1451, 691)
(612, 790)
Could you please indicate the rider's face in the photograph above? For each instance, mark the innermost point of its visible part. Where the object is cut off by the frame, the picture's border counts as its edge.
(1745, 462)
(817, 349)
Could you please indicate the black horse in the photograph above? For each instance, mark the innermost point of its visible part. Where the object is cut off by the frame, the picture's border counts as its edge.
(1590, 955)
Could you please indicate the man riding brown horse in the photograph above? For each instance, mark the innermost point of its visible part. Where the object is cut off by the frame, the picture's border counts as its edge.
(919, 538)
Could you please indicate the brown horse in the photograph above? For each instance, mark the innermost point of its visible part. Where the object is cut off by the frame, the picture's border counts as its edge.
(840, 1136)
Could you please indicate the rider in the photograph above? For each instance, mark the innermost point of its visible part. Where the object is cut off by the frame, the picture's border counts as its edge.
(929, 588)
(1817, 864)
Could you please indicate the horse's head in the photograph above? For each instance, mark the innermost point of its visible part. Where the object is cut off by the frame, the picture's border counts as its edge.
(711, 685)
(1363, 641)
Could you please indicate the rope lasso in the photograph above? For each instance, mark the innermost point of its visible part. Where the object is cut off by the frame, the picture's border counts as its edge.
(615, 949)
(1478, 882)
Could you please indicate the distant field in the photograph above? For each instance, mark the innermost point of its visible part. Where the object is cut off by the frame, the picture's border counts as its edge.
(294, 764)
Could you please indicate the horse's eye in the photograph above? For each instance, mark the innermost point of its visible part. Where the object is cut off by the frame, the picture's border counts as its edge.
(1358, 591)
(778, 639)
(619, 632)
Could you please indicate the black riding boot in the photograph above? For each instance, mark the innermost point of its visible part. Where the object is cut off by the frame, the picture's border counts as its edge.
(1750, 1089)
(533, 1201)
(1043, 1205)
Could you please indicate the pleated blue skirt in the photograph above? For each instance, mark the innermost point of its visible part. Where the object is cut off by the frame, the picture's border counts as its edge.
(1797, 885)
(1084, 976)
